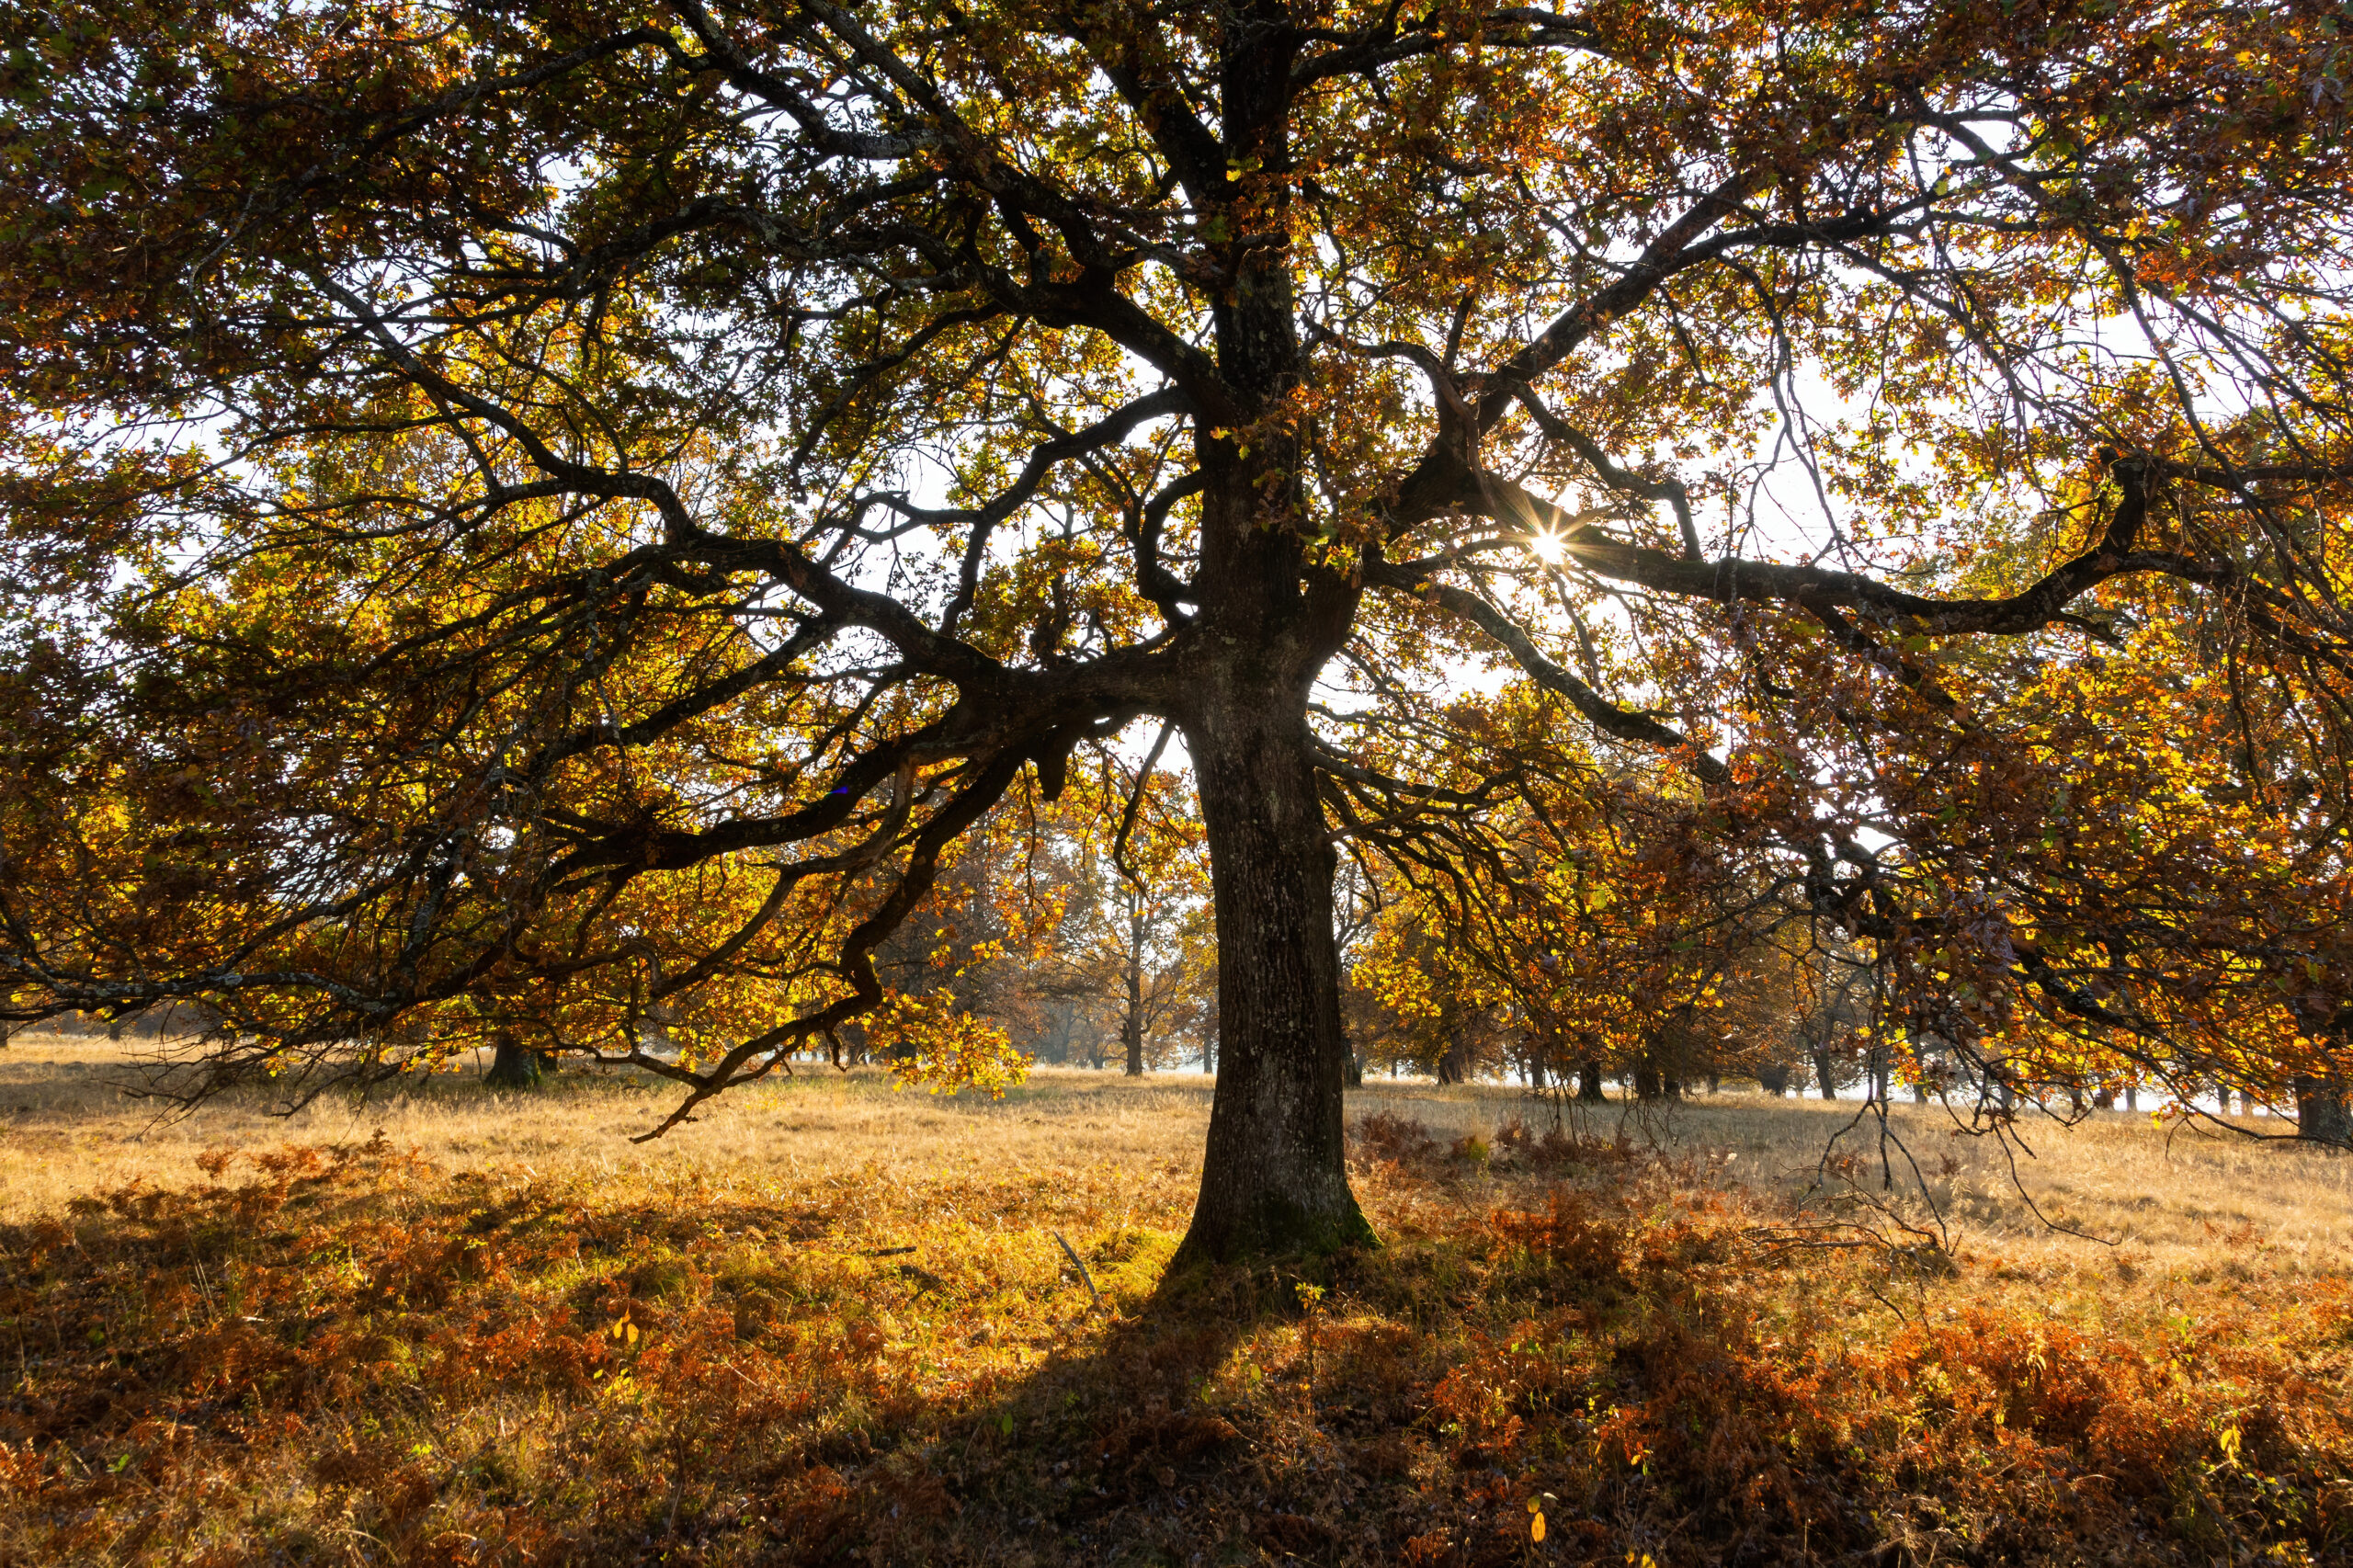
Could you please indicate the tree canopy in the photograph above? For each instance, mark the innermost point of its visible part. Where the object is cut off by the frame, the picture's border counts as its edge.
(522, 515)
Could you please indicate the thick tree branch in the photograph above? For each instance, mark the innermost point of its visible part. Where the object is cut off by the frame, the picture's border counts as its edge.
(1731, 580)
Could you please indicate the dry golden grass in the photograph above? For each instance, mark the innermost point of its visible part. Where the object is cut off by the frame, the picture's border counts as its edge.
(70, 1125)
(834, 1321)
(2184, 1195)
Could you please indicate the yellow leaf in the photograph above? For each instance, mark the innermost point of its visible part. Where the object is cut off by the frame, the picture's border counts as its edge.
(1535, 1528)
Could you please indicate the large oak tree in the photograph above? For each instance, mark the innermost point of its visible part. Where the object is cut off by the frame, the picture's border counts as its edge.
(552, 518)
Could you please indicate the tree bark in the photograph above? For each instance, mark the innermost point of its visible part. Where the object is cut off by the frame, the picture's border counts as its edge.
(1273, 1177)
(1589, 1087)
(1821, 1074)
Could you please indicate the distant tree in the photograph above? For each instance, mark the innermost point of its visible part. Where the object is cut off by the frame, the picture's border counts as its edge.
(1131, 942)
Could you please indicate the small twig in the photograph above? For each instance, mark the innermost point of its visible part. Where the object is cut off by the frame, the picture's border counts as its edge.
(204, 1285)
(678, 1492)
(1081, 1267)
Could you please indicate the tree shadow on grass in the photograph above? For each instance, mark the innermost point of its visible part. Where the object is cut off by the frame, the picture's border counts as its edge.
(1624, 1368)
(1370, 1408)
(1108, 1452)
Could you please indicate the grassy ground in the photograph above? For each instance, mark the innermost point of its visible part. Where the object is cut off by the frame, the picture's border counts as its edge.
(830, 1322)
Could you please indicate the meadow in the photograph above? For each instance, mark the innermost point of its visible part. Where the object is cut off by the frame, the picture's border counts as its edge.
(833, 1321)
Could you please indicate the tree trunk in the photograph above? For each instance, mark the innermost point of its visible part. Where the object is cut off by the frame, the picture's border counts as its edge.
(1589, 1087)
(2322, 1116)
(1273, 1177)
(1450, 1068)
(1131, 1025)
(1648, 1084)
(1821, 1074)
(515, 1066)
